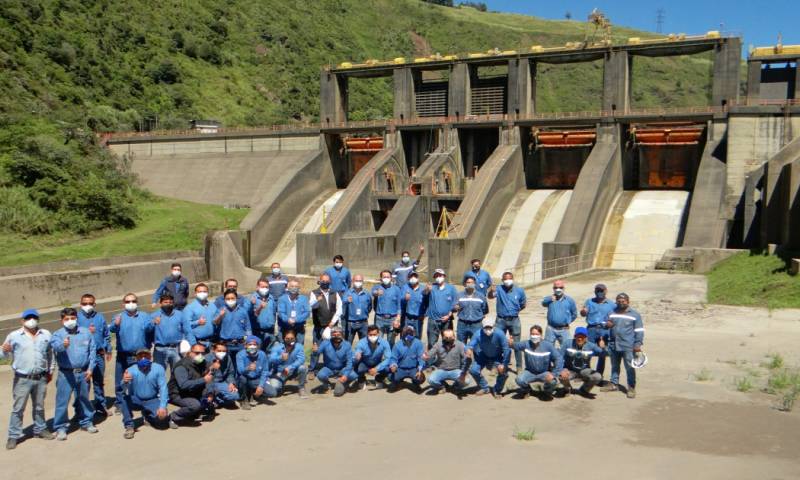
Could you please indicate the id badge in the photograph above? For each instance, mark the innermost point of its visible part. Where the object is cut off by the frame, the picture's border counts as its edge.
(358, 311)
(293, 314)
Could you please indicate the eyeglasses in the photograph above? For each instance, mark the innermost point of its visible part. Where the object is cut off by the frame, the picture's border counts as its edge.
(87, 304)
(128, 301)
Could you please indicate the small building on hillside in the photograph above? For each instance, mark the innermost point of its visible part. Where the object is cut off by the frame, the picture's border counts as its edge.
(205, 126)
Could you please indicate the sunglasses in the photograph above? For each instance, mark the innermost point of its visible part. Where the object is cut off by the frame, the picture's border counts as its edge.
(129, 301)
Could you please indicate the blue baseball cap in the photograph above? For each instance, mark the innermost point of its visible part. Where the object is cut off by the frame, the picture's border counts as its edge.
(581, 331)
(251, 339)
(31, 312)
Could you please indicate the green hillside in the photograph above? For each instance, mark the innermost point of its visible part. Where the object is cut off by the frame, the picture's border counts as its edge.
(69, 68)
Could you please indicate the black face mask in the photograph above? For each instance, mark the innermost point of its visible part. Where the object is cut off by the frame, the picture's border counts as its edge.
(168, 309)
(449, 343)
(476, 268)
(336, 340)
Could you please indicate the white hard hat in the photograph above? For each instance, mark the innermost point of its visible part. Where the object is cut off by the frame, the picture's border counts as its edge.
(326, 334)
(639, 360)
(184, 347)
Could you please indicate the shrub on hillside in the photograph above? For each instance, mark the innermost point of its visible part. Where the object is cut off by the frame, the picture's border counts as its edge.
(20, 214)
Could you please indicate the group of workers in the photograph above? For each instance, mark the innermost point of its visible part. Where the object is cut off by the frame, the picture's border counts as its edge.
(246, 347)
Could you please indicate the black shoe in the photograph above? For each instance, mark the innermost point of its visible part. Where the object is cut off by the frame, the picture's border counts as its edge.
(11, 444)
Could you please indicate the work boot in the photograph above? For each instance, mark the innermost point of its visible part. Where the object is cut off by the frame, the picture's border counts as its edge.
(586, 393)
(611, 387)
(631, 392)
(61, 435)
(128, 433)
(172, 424)
(339, 389)
(362, 385)
(11, 444)
(302, 392)
(45, 435)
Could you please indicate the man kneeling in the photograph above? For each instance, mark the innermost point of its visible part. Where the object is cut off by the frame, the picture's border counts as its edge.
(577, 355)
(144, 389)
(189, 387)
(252, 366)
(449, 356)
(337, 362)
(287, 362)
(407, 361)
(372, 357)
(542, 360)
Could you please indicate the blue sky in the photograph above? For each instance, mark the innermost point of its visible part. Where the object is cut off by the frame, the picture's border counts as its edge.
(758, 22)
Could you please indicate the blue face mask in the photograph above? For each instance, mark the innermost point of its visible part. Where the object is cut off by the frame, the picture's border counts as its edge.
(144, 363)
(408, 338)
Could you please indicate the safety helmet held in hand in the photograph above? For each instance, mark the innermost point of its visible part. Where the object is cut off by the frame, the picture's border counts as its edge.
(639, 360)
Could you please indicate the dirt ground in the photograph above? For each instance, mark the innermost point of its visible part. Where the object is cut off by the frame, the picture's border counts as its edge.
(676, 427)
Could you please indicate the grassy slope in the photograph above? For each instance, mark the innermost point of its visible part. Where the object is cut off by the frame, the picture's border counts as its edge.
(753, 279)
(166, 225)
(62, 60)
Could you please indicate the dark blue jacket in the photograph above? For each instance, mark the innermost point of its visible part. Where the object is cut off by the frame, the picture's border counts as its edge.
(493, 348)
(178, 287)
(561, 312)
(417, 303)
(102, 335)
(337, 359)
(541, 358)
(409, 356)
(472, 308)
(577, 358)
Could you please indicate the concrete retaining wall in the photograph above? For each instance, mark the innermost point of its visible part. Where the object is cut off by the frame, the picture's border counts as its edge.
(150, 146)
(481, 210)
(48, 288)
(781, 182)
(284, 199)
(707, 223)
(599, 182)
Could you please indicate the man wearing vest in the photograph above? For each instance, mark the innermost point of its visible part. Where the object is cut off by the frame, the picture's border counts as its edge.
(326, 311)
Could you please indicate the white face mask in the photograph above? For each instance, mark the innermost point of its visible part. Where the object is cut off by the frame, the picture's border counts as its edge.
(358, 284)
(406, 259)
(131, 307)
(536, 338)
(87, 309)
(413, 280)
(276, 271)
(469, 287)
(202, 296)
(338, 265)
(31, 323)
(70, 324)
(220, 355)
(439, 280)
(198, 358)
(372, 338)
(558, 291)
(263, 291)
(488, 330)
(386, 281)
(176, 273)
(508, 282)
(230, 303)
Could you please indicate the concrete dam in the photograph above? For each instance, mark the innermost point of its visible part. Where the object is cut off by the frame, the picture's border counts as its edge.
(469, 167)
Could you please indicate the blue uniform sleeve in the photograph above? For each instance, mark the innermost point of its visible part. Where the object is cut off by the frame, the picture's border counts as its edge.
(106, 335)
(275, 352)
(92, 351)
(248, 328)
(485, 305)
(163, 392)
(57, 342)
(147, 321)
(547, 301)
(638, 331)
(188, 334)
(113, 328)
(161, 287)
(523, 300)
(387, 355)
(348, 366)
(473, 342)
(240, 362)
(262, 379)
(299, 359)
(419, 351)
(573, 310)
(230, 372)
(394, 358)
(596, 349)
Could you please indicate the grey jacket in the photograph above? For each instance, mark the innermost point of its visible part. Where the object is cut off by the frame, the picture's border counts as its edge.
(453, 359)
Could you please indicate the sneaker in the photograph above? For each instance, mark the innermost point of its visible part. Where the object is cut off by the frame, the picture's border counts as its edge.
(302, 392)
(525, 394)
(497, 395)
(45, 435)
(90, 429)
(128, 433)
(631, 393)
(11, 444)
(481, 393)
(244, 405)
(362, 385)
(61, 435)
(611, 387)
(435, 391)
(172, 424)
(379, 385)
(253, 402)
(338, 389)
(586, 393)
